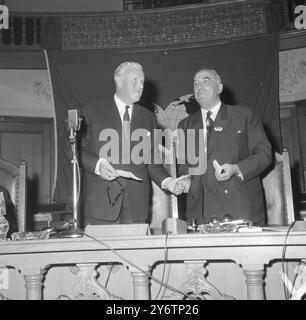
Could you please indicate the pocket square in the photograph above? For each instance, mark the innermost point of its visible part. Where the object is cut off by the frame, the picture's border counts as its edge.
(239, 131)
(148, 134)
(218, 128)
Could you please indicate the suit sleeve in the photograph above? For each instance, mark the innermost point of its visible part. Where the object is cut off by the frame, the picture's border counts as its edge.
(260, 154)
(182, 151)
(156, 171)
(88, 158)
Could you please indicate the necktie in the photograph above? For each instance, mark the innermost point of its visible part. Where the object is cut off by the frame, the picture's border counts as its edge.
(209, 123)
(126, 116)
(126, 136)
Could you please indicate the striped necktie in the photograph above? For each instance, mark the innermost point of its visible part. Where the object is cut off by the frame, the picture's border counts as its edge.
(126, 116)
(209, 124)
(126, 136)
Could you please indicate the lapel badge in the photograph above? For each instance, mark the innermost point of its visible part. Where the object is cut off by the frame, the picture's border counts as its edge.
(218, 129)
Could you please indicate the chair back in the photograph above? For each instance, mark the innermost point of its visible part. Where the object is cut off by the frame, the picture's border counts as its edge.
(278, 191)
(13, 179)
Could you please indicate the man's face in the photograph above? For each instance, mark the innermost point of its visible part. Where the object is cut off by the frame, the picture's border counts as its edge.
(130, 85)
(206, 89)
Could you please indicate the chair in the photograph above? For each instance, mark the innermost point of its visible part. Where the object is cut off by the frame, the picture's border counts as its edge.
(278, 191)
(13, 178)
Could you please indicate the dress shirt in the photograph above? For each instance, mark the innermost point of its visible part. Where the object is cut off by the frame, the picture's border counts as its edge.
(121, 107)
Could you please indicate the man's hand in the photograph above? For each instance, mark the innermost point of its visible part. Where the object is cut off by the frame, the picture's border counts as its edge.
(107, 172)
(226, 171)
(184, 183)
(177, 186)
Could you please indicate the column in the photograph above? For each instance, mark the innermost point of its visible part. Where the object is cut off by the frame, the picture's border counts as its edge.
(33, 283)
(254, 275)
(140, 284)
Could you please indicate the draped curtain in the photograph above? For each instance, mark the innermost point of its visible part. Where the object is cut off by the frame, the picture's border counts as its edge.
(249, 71)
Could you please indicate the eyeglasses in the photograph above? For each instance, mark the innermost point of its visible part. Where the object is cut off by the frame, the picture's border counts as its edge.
(112, 199)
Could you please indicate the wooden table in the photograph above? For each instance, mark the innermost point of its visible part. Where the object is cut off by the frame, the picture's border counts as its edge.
(251, 251)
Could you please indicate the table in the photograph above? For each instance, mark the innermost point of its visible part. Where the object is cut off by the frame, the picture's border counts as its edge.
(251, 251)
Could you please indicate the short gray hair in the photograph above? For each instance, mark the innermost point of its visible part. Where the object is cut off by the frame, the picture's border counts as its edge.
(121, 69)
(214, 72)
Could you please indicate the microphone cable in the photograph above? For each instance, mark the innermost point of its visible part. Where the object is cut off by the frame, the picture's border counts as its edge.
(137, 267)
(283, 260)
(164, 264)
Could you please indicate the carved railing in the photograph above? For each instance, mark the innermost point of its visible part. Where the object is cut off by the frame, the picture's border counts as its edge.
(252, 252)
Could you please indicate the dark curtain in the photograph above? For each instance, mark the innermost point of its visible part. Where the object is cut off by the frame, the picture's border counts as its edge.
(249, 70)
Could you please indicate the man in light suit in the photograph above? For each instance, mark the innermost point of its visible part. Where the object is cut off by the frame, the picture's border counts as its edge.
(109, 197)
(238, 151)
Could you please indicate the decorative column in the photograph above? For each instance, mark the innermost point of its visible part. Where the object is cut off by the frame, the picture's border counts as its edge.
(254, 275)
(140, 284)
(33, 283)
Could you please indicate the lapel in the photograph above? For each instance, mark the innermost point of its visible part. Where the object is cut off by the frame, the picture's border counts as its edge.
(136, 117)
(219, 129)
(113, 118)
(196, 121)
(195, 124)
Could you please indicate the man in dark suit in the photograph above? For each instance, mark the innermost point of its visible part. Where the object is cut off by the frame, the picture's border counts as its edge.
(238, 151)
(109, 196)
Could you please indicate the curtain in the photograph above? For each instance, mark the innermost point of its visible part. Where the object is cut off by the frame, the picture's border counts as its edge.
(248, 68)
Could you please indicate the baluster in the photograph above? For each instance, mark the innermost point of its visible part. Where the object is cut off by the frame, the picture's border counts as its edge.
(33, 282)
(140, 284)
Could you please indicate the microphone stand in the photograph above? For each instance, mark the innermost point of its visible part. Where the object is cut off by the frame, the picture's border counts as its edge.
(173, 224)
(73, 232)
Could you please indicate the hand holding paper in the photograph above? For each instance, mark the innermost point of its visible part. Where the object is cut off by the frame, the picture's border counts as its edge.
(226, 171)
(128, 175)
(217, 166)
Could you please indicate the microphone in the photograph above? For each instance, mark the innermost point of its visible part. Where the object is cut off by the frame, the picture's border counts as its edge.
(73, 120)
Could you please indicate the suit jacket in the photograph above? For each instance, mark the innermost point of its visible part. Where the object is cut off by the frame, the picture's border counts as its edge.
(99, 192)
(237, 138)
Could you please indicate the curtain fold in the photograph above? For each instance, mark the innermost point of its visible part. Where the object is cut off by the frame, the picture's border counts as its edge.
(248, 68)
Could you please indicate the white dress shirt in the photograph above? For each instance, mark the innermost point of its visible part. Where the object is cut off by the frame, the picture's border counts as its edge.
(214, 111)
(121, 107)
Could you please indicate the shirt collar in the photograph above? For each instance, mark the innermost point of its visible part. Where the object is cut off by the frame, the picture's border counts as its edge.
(120, 104)
(214, 111)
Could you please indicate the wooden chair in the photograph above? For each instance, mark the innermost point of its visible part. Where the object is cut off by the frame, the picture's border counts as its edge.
(13, 178)
(278, 191)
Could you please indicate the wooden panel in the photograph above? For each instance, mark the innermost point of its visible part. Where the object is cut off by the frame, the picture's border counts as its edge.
(301, 116)
(15, 59)
(31, 140)
(291, 141)
(292, 40)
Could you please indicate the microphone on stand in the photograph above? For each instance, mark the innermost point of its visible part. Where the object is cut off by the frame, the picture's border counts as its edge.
(74, 124)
